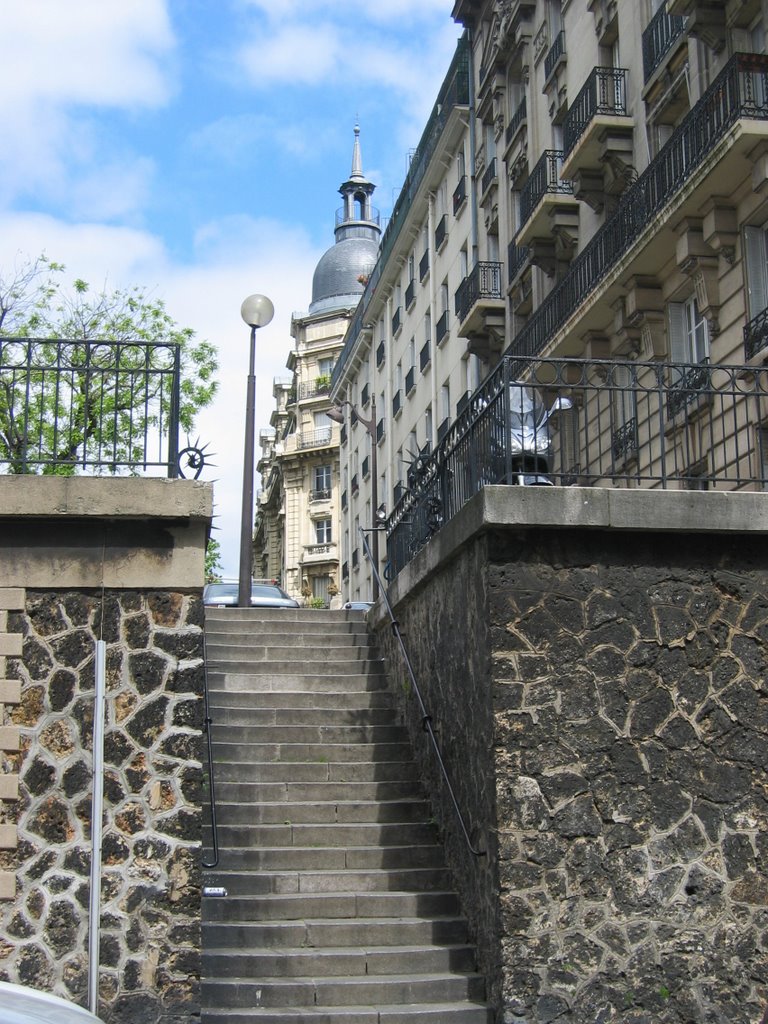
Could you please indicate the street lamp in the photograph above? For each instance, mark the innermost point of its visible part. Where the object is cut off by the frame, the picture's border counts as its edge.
(257, 311)
(370, 425)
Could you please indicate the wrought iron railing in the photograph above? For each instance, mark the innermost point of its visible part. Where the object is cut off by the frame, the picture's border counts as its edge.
(489, 176)
(93, 406)
(441, 327)
(397, 320)
(604, 92)
(609, 423)
(397, 402)
(314, 438)
(410, 293)
(517, 257)
(424, 265)
(663, 29)
(356, 216)
(756, 335)
(516, 121)
(441, 231)
(460, 194)
(315, 388)
(740, 90)
(483, 282)
(555, 52)
(410, 380)
(424, 357)
(543, 179)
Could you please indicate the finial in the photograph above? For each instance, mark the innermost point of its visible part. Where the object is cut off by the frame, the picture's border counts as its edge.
(357, 160)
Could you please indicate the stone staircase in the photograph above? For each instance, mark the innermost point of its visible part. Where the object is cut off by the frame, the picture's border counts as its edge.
(339, 907)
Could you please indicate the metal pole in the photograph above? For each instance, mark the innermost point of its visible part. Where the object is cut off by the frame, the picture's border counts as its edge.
(97, 809)
(246, 519)
(374, 498)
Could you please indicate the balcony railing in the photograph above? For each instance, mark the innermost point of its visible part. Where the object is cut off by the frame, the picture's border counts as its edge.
(517, 257)
(344, 501)
(397, 402)
(756, 335)
(380, 431)
(381, 353)
(739, 91)
(555, 52)
(366, 467)
(342, 218)
(441, 231)
(604, 92)
(424, 265)
(489, 176)
(397, 320)
(424, 357)
(460, 194)
(410, 293)
(410, 380)
(484, 282)
(663, 29)
(441, 327)
(365, 395)
(320, 494)
(543, 179)
(516, 121)
(314, 438)
(354, 484)
(315, 388)
(89, 405)
(598, 423)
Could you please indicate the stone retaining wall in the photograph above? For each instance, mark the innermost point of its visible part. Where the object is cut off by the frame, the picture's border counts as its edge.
(601, 703)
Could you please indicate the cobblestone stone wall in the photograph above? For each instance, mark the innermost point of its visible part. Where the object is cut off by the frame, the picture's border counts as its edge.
(626, 688)
(150, 912)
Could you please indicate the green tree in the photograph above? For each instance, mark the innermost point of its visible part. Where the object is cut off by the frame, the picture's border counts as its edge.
(115, 355)
(213, 561)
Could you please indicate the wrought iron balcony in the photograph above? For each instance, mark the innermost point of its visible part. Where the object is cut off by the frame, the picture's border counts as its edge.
(483, 282)
(397, 402)
(604, 92)
(397, 320)
(366, 468)
(380, 431)
(489, 176)
(315, 438)
(342, 218)
(354, 484)
(424, 357)
(517, 258)
(756, 335)
(424, 265)
(544, 180)
(600, 424)
(516, 122)
(740, 91)
(365, 395)
(344, 501)
(410, 380)
(410, 294)
(381, 353)
(320, 494)
(441, 231)
(662, 31)
(441, 327)
(460, 194)
(554, 54)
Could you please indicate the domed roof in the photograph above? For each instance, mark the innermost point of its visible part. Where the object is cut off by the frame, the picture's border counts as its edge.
(336, 283)
(336, 279)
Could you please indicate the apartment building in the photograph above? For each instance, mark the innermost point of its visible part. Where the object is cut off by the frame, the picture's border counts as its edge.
(616, 183)
(298, 514)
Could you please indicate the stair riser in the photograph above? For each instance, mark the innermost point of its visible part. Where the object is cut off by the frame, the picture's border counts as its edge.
(314, 654)
(314, 734)
(442, 1014)
(306, 718)
(320, 753)
(338, 963)
(250, 793)
(330, 905)
(239, 675)
(299, 836)
(326, 813)
(331, 859)
(374, 991)
(282, 638)
(347, 701)
(338, 933)
(253, 883)
(281, 771)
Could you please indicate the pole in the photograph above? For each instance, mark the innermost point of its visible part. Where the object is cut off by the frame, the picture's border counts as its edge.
(246, 518)
(97, 810)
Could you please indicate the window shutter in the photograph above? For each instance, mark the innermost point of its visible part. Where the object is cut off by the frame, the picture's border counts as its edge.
(678, 343)
(757, 270)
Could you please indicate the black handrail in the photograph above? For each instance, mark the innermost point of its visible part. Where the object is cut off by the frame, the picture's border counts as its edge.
(207, 723)
(426, 718)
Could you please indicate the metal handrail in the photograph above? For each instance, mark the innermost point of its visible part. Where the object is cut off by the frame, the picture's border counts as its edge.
(207, 723)
(426, 718)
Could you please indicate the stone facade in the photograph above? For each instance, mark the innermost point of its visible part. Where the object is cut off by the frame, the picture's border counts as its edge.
(150, 912)
(600, 701)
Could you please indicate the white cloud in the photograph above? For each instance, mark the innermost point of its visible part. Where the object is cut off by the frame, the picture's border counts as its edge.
(299, 54)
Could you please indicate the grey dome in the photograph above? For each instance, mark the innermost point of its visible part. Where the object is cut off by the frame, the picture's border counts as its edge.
(335, 282)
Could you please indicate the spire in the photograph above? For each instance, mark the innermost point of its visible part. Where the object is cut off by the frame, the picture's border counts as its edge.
(357, 160)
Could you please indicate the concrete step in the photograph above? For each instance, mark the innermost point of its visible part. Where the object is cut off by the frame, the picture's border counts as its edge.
(340, 961)
(383, 990)
(418, 880)
(321, 812)
(250, 717)
(275, 675)
(299, 906)
(344, 639)
(322, 837)
(268, 618)
(327, 932)
(287, 699)
(259, 652)
(251, 793)
(296, 735)
(313, 771)
(422, 1013)
(330, 858)
(322, 753)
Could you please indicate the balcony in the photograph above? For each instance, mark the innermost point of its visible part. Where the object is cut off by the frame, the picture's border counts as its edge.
(516, 144)
(756, 336)
(549, 213)
(424, 357)
(314, 438)
(345, 571)
(441, 327)
(481, 310)
(709, 151)
(441, 232)
(518, 257)
(397, 403)
(555, 79)
(410, 380)
(316, 388)
(381, 353)
(555, 54)
(354, 484)
(315, 554)
(442, 429)
(344, 501)
(320, 494)
(490, 177)
(380, 432)
(424, 265)
(365, 395)
(460, 195)
(366, 468)
(516, 123)
(410, 294)
(658, 39)
(597, 133)
(397, 321)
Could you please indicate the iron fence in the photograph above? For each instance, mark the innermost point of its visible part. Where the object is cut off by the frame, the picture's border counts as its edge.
(89, 406)
(604, 92)
(663, 29)
(592, 423)
(483, 282)
(544, 178)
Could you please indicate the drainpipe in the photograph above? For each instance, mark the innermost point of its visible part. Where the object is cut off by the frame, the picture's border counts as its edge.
(472, 152)
(97, 808)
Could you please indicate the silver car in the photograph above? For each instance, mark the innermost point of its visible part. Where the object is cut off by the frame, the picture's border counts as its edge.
(264, 594)
(22, 1005)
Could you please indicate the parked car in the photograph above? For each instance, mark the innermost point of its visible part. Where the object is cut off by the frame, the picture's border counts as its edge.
(264, 594)
(358, 606)
(22, 1005)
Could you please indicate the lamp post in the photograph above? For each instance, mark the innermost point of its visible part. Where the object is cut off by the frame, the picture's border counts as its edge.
(257, 311)
(370, 425)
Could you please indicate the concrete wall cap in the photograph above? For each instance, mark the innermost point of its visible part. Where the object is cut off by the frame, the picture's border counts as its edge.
(111, 498)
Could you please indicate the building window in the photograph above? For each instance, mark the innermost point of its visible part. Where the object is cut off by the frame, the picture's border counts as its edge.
(321, 483)
(323, 531)
(325, 366)
(688, 333)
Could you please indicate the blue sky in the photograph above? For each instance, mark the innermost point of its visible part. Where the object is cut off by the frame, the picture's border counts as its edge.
(195, 147)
